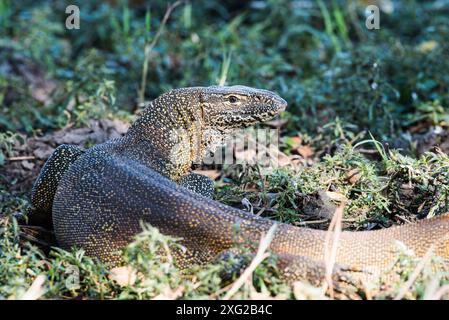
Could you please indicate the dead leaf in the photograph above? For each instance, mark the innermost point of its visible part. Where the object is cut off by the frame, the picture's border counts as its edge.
(124, 276)
(353, 176)
(43, 152)
(42, 91)
(24, 174)
(284, 160)
(294, 142)
(305, 151)
(320, 205)
(27, 165)
(336, 196)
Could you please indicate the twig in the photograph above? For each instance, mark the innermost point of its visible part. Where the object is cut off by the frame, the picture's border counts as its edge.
(259, 257)
(149, 48)
(20, 158)
(303, 223)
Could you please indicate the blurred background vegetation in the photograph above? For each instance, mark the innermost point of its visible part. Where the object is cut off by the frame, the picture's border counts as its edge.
(317, 54)
(347, 87)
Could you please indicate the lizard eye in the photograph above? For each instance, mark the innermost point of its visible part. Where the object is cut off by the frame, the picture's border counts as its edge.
(233, 99)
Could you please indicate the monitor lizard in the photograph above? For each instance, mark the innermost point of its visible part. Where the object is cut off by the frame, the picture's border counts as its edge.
(98, 197)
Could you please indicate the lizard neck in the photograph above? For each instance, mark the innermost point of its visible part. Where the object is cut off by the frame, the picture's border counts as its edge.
(168, 134)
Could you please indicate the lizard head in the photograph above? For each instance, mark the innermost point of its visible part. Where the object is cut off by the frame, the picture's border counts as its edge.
(232, 107)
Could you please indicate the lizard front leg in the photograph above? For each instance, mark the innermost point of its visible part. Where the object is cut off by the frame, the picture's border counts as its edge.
(198, 183)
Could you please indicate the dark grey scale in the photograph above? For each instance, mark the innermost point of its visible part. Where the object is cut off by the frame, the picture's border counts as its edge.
(234, 264)
(47, 182)
(198, 183)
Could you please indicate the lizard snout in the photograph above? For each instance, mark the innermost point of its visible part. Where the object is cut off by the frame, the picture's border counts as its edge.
(282, 104)
(277, 105)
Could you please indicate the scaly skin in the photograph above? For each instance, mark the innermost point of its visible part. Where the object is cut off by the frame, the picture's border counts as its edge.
(106, 192)
(45, 186)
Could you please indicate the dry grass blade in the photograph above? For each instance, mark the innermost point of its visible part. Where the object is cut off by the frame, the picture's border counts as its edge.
(330, 251)
(444, 290)
(260, 256)
(36, 290)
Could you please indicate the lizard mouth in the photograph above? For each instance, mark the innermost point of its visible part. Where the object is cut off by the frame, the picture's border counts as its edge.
(244, 120)
(248, 115)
